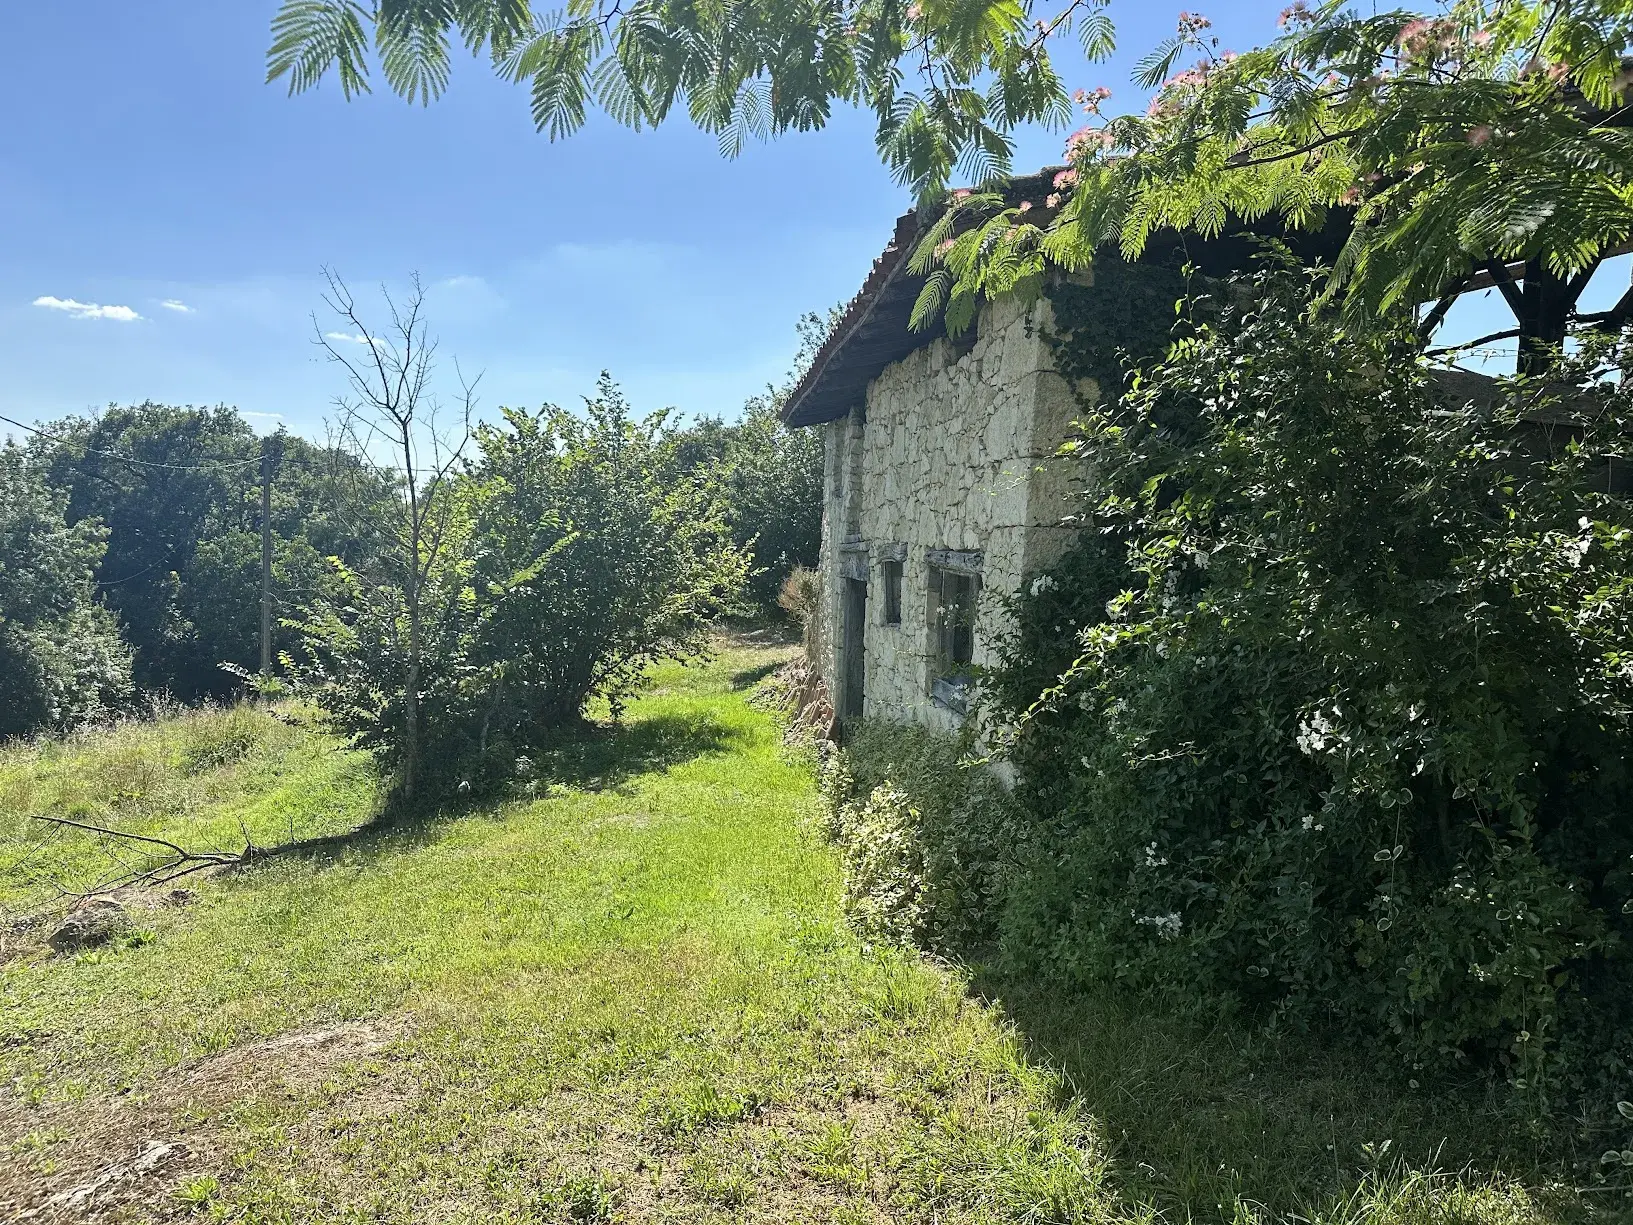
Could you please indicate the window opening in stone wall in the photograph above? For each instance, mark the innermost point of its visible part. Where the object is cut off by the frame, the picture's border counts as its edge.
(890, 570)
(952, 635)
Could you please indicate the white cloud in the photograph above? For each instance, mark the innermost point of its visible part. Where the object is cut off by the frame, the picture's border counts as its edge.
(88, 310)
(244, 412)
(348, 338)
(172, 304)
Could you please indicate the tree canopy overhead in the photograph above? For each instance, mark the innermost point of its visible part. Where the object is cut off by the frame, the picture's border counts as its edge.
(947, 80)
(1490, 140)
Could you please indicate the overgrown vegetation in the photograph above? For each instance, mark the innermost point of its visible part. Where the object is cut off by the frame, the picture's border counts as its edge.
(61, 660)
(570, 559)
(1323, 723)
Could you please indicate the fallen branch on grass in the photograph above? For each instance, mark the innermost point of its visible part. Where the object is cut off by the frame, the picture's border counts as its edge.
(182, 863)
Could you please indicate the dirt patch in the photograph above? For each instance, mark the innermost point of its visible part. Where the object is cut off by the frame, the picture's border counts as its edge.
(29, 935)
(124, 1156)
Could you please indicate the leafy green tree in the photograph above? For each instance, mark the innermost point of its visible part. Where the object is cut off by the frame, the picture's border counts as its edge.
(570, 557)
(770, 476)
(771, 479)
(178, 491)
(1488, 140)
(61, 659)
(595, 561)
(946, 80)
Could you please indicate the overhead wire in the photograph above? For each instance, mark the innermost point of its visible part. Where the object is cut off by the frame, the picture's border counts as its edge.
(131, 459)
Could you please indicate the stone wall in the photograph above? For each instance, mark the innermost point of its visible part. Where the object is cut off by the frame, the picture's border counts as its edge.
(953, 450)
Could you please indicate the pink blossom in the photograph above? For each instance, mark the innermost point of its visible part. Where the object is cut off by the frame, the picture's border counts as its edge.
(1053, 201)
(1090, 99)
(1025, 207)
(1297, 11)
(1481, 38)
(943, 247)
(1193, 23)
(1352, 196)
(1068, 178)
(1479, 134)
(915, 12)
(1421, 39)
(963, 193)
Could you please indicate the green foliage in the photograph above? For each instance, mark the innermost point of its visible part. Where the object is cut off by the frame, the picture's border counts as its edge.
(61, 660)
(769, 477)
(924, 832)
(946, 80)
(769, 480)
(179, 492)
(594, 562)
(1328, 717)
(1485, 133)
(570, 559)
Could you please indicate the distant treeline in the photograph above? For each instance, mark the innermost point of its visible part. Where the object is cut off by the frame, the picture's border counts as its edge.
(130, 544)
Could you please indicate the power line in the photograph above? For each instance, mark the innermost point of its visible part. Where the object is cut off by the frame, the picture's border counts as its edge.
(130, 459)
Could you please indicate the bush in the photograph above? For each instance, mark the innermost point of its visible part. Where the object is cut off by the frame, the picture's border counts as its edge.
(569, 560)
(61, 660)
(923, 830)
(1328, 717)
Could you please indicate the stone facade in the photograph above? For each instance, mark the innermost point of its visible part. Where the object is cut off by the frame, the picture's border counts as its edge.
(949, 462)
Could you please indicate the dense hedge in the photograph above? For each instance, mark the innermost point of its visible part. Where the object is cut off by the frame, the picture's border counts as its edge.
(1326, 718)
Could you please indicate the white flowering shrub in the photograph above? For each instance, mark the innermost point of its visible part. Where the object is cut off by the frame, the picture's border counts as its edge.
(884, 865)
(1328, 717)
(922, 829)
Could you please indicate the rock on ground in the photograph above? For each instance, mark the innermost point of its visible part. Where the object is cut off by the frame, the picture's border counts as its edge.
(89, 924)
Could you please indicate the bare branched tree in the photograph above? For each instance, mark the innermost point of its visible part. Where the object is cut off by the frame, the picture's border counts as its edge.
(391, 423)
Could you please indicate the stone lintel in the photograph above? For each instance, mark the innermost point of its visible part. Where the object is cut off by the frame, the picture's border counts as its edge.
(961, 561)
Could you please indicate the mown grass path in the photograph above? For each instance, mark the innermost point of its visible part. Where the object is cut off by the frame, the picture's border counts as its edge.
(630, 998)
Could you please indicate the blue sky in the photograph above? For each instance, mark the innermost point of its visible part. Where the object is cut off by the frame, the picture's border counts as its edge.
(148, 167)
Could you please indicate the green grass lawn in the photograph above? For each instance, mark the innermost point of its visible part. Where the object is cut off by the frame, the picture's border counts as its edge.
(629, 997)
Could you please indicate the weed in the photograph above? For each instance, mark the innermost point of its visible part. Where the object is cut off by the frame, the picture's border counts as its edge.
(198, 1193)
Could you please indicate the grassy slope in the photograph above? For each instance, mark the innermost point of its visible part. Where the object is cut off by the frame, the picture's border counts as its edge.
(629, 998)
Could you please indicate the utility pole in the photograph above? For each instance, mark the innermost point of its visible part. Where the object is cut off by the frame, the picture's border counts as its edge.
(266, 558)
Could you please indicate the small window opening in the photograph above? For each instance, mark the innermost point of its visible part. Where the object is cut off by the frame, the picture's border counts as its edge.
(891, 569)
(952, 635)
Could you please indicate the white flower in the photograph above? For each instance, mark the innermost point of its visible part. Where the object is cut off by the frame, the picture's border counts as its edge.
(1152, 860)
(1310, 823)
(1167, 925)
(1044, 582)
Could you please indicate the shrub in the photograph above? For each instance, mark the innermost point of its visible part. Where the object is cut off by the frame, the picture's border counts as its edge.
(570, 559)
(592, 561)
(61, 660)
(923, 830)
(1328, 717)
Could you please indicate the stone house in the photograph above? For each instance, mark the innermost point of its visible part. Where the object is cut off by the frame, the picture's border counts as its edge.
(941, 491)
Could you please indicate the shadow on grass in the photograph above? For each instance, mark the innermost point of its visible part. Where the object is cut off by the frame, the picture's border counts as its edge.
(601, 757)
(1205, 1122)
(747, 678)
(588, 757)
